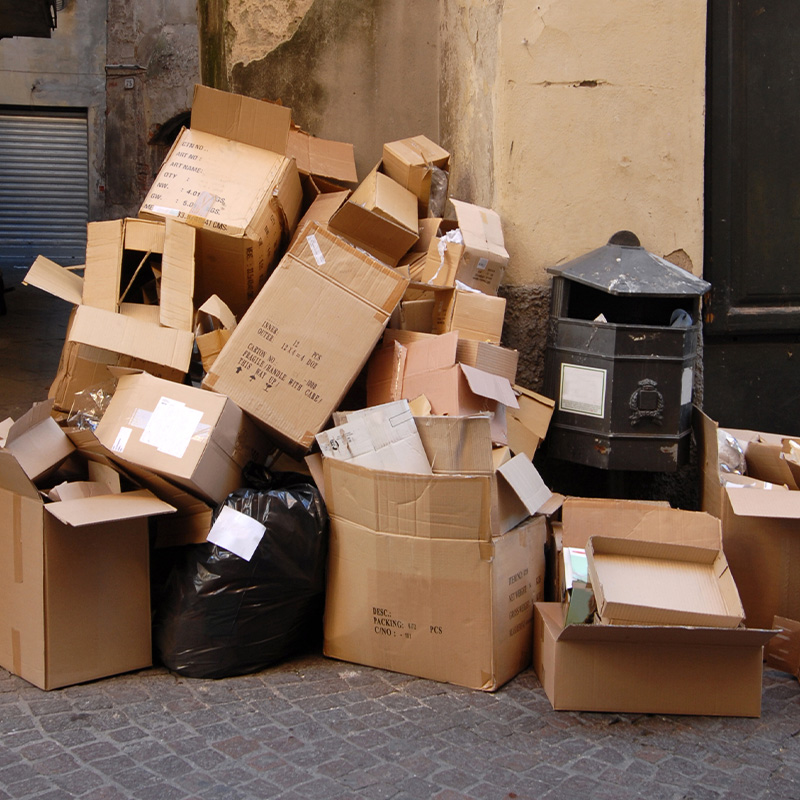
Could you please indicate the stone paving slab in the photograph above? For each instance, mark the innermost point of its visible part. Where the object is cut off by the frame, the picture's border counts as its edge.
(313, 727)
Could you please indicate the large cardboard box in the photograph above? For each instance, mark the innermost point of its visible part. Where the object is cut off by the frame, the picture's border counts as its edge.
(229, 177)
(74, 587)
(760, 529)
(648, 669)
(201, 440)
(98, 338)
(422, 588)
(306, 337)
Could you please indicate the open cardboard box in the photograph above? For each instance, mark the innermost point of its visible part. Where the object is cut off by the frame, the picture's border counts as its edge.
(760, 523)
(75, 587)
(98, 338)
(418, 584)
(306, 337)
(637, 582)
(379, 217)
(228, 176)
(478, 261)
(648, 669)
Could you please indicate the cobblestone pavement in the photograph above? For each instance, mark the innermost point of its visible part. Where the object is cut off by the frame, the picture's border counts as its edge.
(312, 727)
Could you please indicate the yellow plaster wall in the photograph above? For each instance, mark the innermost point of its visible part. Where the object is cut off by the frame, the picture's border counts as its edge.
(599, 126)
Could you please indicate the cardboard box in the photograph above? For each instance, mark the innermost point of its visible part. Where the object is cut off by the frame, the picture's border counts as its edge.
(379, 217)
(120, 252)
(528, 424)
(410, 162)
(201, 440)
(426, 365)
(191, 521)
(75, 587)
(229, 177)
(490, 357)
(654, 583)
(446, 609)
(648, 669)
(306, 337)
(36, 441)
(476, 258)
(474, 315)
(760, 532)
(321, 158)
(97, 338)
(214, 323)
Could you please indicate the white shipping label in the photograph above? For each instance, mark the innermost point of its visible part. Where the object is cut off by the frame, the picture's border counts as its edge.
(121, 440)
(687, 382)
(316, 251)
(483, 263)
(583, 390)
(237, 532)
(171, 427)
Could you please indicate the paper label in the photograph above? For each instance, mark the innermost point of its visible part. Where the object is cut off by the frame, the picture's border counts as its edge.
(237, 532)
(121, 440)
(171, 427)
(315, 249)
(583, 390)
(483, 263)
(687, 382)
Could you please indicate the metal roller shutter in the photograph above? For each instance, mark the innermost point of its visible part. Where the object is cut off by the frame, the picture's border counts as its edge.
(44, 186)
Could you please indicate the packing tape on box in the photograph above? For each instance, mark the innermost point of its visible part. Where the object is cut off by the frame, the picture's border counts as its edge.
(16, 651)
(16, 527)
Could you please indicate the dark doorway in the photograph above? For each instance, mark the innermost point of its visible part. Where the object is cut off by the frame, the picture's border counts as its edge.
(752, 326)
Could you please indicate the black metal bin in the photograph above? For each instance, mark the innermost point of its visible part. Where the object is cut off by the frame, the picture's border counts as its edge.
(621, 353)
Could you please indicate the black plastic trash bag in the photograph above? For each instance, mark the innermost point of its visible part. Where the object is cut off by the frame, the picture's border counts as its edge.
(220, 615)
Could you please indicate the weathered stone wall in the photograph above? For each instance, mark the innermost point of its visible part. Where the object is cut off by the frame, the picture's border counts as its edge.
(133, 65)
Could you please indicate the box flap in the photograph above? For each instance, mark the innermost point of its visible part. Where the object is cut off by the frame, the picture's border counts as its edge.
(13, 477)
(322, 157)
(177, 276)
(428, 353)
(494, 387)
(457, 445)
(106, 508)
(526, 483)
(129, 336)
(103, 271)
(583, 517)
(218, 310)
(243, 119)
(56, 280)
(747, 502)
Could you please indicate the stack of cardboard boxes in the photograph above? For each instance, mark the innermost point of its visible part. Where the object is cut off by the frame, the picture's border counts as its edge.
(258, 291)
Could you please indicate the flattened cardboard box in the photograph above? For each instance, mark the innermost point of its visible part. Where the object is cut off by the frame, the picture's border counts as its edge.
(304, 340)
(760, 534)
(450, 610)
(201, 440)
(648, 669)
(229, 177)
(75, 588)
